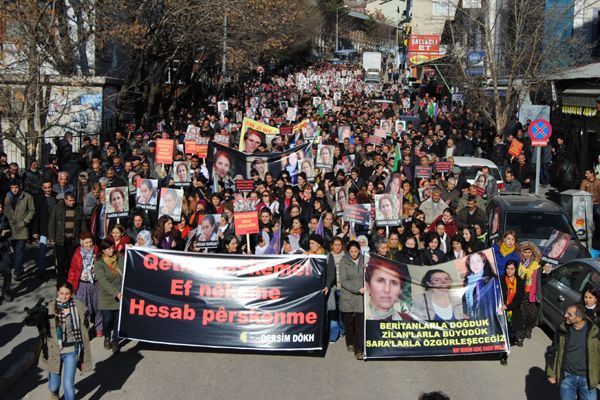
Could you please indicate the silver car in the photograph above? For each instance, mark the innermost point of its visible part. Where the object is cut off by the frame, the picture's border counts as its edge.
(565, 286)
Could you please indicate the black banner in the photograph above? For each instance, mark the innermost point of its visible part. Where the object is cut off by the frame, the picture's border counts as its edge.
(213, 300)
(227, 165)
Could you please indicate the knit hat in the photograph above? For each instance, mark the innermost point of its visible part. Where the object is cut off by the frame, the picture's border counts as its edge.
(316, 238)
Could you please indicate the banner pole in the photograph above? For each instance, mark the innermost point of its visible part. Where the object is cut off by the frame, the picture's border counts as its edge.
(247, 243)
(387, 231)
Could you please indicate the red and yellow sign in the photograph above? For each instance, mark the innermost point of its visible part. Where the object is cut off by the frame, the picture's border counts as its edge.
(420, 58)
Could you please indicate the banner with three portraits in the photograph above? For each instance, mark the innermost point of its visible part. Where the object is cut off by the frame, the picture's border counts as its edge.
(227, 165)
(454, 308)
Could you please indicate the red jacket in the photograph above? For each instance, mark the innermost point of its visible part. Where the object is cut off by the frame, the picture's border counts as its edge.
(451, 228)
(120, 247)
(76, 267)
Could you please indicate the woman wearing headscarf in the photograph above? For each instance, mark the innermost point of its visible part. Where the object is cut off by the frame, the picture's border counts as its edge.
(315, 245)
(144, 239)
(530, 263)
(291, 245)
(82, 278)
(364, 244)
(262, 244)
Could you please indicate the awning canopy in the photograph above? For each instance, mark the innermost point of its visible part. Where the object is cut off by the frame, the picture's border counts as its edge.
(581, 94)
(590, 71)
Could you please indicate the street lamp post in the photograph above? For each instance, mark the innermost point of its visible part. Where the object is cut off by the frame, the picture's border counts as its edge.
(337, 28)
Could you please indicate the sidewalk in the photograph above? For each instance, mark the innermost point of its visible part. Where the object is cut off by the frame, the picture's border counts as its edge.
(19, 346)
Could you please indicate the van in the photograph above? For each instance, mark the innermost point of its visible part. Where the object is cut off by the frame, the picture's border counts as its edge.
(471, 166)
(533, 219)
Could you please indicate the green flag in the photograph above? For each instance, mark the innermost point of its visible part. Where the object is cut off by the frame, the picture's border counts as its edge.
(320, 110)
(397, 157)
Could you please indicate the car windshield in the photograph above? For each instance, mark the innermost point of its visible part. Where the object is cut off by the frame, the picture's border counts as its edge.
(470, 172)
(536, 225)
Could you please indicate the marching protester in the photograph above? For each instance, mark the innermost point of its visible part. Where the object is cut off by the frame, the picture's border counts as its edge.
(574, 358)
(109, 272)
(67, 345)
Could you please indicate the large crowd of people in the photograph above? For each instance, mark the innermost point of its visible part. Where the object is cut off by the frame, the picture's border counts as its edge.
(89, 204)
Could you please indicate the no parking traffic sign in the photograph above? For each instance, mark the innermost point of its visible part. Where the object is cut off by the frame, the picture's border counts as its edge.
(539, 132)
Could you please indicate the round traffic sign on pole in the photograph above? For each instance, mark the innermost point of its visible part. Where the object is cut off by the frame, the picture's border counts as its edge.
(540, 131)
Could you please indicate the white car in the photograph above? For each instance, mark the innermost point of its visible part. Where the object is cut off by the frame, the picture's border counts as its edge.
(470, 166)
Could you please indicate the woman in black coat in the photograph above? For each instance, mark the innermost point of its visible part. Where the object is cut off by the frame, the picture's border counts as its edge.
(513, 293)
(410, 252)
(431, 254)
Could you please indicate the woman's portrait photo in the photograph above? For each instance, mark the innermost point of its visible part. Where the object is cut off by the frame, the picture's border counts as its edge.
(222, 165)
(439, 298)
(325, 157)
(306, 166)
(265, 113)
(395, 184)
(341, 199)
(206, 234)
(384, 281)
(118, 201)
(146, 192)
(181, 172)
(343, 133)
(309, 130)
(387, 209)
(170, 203)
(385, 125)
(556, 246)
(480, 299)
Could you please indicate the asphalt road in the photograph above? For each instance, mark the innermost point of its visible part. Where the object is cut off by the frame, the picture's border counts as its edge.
(145, 371)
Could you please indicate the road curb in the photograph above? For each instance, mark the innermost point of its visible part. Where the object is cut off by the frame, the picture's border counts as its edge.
(19, 368)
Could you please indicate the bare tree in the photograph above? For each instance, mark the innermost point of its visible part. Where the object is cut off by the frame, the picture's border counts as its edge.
(196, 34)
(41, 40)
(522, 43)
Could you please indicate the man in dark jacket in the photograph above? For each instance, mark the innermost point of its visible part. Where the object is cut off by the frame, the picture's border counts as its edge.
(5, 252)
(44, 204)
(499, 153)
(66, 223)
(64, 150)
(470, 215)
(574, 358)
(20, 210)
(523, 172)
(32, 180)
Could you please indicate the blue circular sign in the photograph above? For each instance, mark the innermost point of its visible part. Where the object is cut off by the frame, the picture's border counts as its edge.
(540, 129)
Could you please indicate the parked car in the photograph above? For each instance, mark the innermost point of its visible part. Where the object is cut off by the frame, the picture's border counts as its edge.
(565, 285)
(533, 219)
(471, 166)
